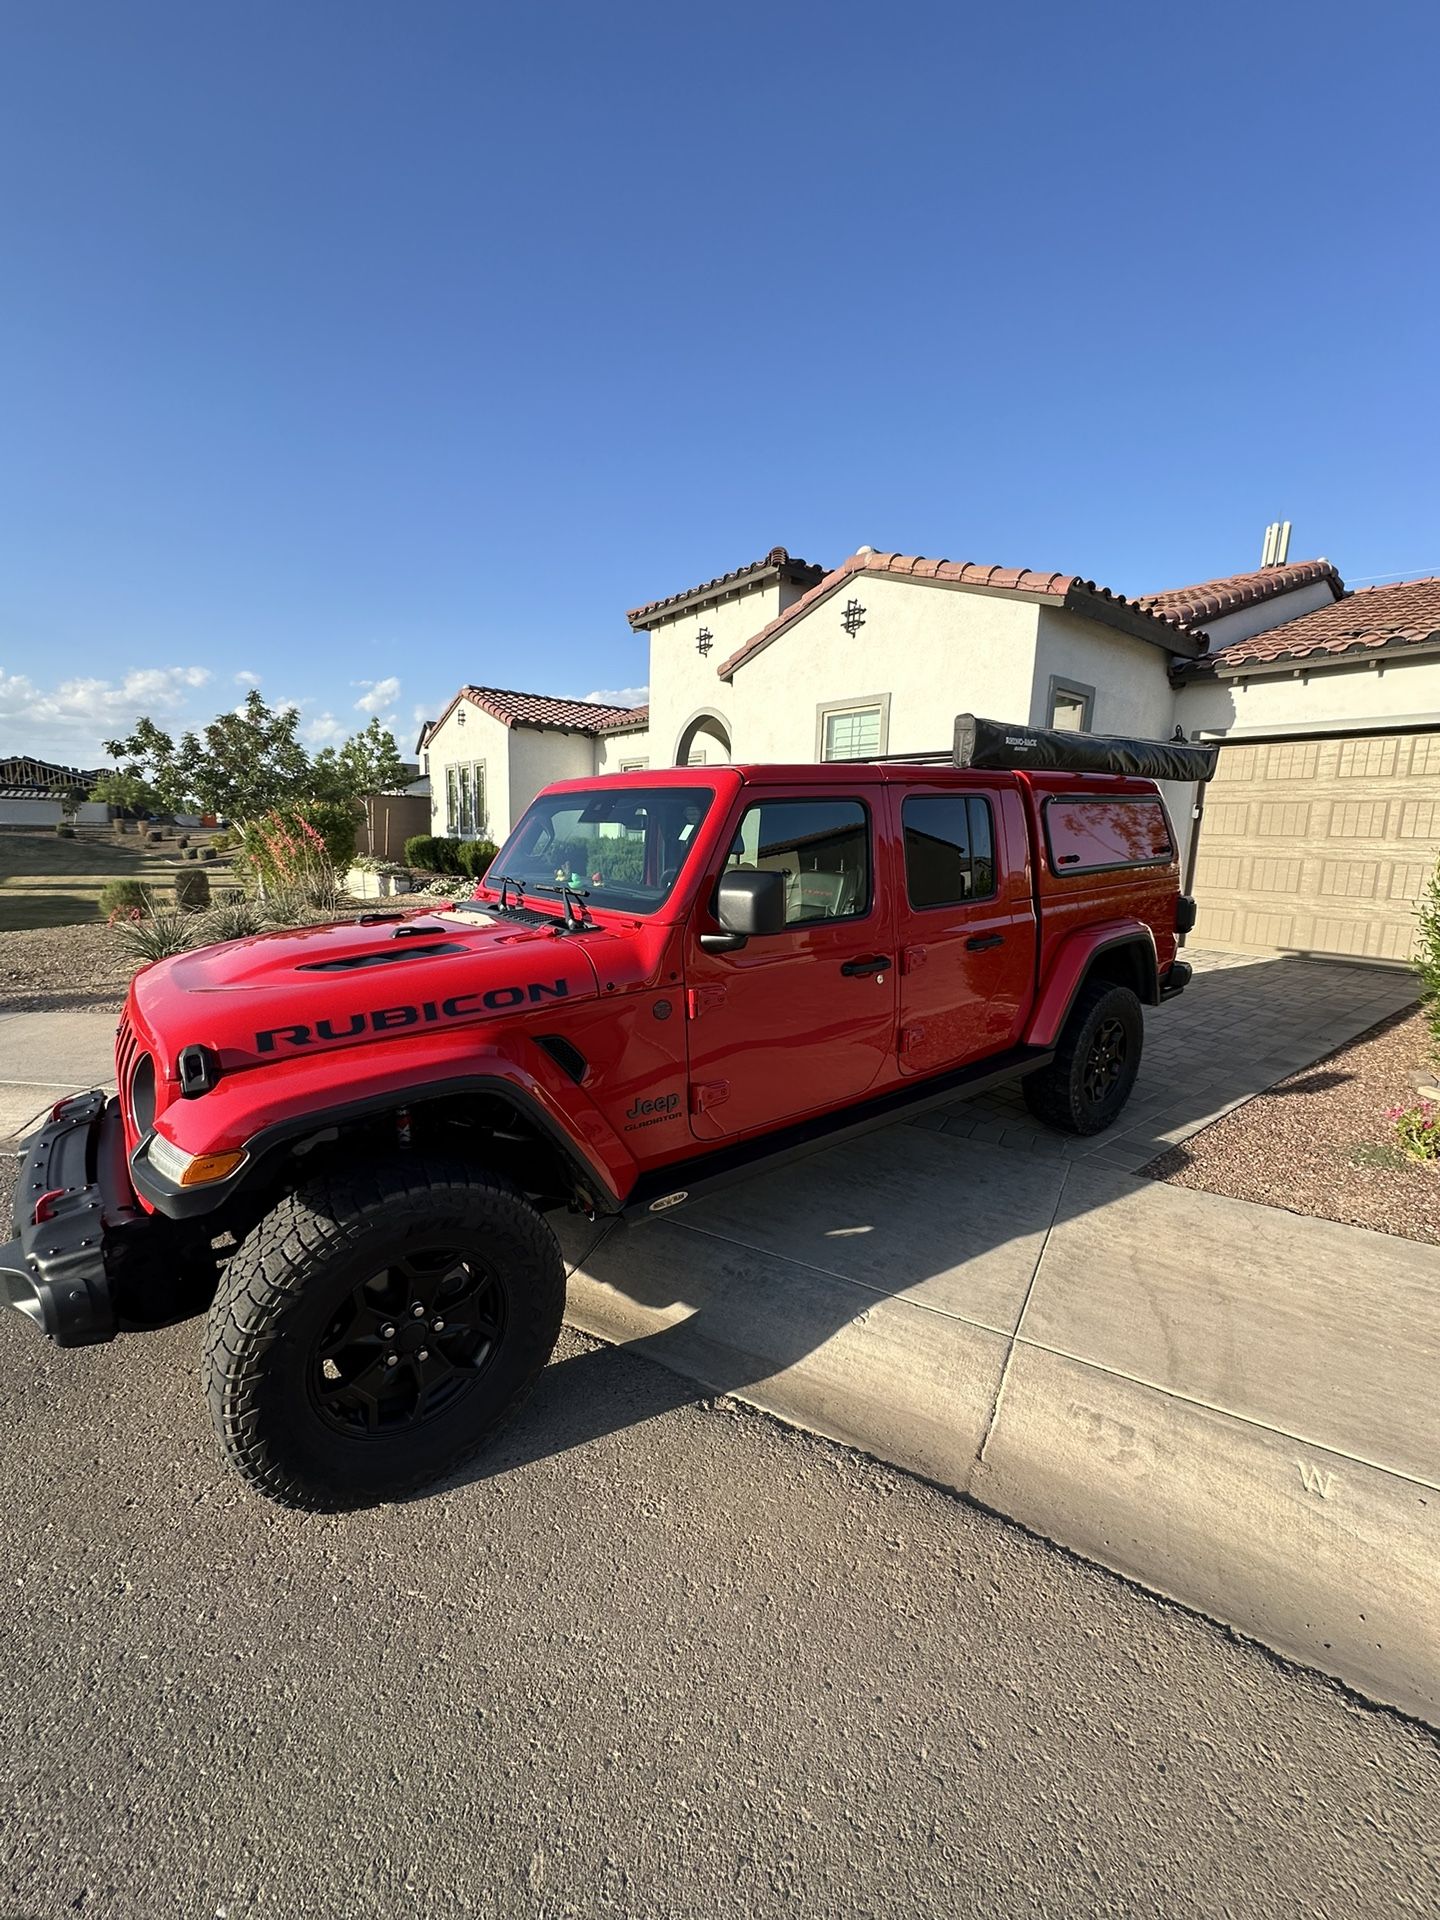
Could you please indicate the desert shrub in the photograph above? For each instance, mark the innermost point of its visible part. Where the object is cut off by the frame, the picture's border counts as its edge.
(154, 838)
(474, 857)
(123, 896)
(207, 853)
(288, 907)
(420, 852)
(1417, 1130)
(183, 841)
(192, 892)
(1427, 962)
(159, 936)
(301, 847)
(232, 919)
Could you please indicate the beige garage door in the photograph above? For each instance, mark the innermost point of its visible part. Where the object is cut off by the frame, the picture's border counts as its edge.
(1320, 846)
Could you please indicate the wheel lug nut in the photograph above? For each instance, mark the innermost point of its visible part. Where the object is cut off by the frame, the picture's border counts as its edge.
(387, 1333)
(417, 1311)
(423, 1353)
(391, 1359)
(437, 1326)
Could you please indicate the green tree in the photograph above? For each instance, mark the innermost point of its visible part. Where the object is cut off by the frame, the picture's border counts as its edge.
(241, 764)
(149, 755)
(369, 762)
(128, 793)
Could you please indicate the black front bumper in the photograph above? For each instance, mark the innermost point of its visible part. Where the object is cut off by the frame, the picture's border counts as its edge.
(60, 1273)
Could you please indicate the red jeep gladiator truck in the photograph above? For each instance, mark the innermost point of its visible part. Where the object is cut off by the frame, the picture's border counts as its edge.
(340, 1143)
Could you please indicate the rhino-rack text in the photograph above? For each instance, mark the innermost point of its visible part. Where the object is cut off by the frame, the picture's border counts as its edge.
(391, 1019)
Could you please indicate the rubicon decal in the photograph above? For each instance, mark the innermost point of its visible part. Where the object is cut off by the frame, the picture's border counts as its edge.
(349, 1026)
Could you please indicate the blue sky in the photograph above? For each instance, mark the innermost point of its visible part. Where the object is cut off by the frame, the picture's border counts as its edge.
(367, 349)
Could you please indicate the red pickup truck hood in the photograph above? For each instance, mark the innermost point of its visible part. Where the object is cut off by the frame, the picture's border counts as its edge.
(267, 998)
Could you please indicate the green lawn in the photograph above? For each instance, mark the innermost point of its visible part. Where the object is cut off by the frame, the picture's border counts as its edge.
(49, 882)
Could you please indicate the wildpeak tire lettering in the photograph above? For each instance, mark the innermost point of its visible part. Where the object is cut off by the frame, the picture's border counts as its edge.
(349, 1026)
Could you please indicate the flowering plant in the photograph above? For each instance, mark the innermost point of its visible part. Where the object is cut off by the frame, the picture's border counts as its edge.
(1417, 1128)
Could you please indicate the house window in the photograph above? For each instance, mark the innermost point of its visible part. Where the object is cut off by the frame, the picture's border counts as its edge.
(1072, 706)
(853, 730)
(949, 849)
(633, 766)
(697, 757)
(465, 814)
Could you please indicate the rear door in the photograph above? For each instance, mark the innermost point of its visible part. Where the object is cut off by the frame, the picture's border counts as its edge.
(968, 924)
(804, 1020)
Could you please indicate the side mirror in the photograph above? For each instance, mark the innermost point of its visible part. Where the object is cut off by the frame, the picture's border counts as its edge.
(747, 905)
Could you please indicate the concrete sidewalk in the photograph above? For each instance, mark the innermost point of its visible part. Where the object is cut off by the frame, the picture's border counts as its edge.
(1233, 1405)
(44, 1056)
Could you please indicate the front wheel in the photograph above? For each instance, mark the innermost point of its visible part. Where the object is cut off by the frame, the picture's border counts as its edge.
(1095, 1064)
(376, 1328)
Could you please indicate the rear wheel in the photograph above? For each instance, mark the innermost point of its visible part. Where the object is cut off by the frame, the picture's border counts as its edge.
(1095, 1064)
(376, 1329)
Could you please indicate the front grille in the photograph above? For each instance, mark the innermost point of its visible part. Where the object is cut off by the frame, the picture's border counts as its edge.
(126, 1049)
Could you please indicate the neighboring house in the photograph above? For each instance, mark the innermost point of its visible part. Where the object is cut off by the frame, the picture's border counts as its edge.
(33, 793)
(1320, 827)
(492, 750)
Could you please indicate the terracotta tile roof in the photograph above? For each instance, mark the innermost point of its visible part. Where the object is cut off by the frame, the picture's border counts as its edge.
(1057, 589)
(542, 710)
(627, 720)
(1375, 620)
(1211, 599)
(777, 564)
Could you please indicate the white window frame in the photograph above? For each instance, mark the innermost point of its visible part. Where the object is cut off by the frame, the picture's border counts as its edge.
(1073, 690)
(633, 766)
(454, 810)
(876, 703)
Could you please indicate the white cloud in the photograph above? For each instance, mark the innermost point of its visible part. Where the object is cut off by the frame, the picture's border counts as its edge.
(324, 731)
(619, 696)
(378, 695)
(70, 721)
(247, 677)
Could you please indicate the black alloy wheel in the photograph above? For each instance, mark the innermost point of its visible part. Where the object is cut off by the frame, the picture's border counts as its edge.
(409, 1342)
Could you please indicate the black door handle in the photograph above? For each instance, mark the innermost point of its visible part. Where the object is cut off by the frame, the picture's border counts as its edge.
(982, 941)
(872, 963)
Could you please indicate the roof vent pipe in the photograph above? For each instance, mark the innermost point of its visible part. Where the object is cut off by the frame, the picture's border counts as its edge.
(1277, 544)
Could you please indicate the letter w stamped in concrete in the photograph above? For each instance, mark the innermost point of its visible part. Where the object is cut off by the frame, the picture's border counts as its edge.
(1315, 1479)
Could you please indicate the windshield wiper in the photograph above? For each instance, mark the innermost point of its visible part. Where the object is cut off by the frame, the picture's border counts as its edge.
(577, 915)
(504, 882)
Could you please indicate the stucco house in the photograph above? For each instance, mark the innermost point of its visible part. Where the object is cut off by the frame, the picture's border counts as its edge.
(34, 793)
(1316, 834)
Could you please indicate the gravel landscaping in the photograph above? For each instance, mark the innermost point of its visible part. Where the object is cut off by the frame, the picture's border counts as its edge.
(1318, 1141)
(45, 969)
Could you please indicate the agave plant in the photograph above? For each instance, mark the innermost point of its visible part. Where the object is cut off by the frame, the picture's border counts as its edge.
(232, 919)
(159, 936)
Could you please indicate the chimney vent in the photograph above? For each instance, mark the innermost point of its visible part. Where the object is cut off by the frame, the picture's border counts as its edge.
(1277, 544)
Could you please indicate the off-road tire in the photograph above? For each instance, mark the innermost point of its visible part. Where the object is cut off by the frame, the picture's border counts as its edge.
(302, 1263)
(1066, 1095)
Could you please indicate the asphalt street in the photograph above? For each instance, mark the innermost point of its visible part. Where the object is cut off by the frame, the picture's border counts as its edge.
(662, 1658)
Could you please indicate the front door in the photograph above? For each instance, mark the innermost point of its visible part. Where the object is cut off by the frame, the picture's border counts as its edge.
(800, 1021)
(968, 951)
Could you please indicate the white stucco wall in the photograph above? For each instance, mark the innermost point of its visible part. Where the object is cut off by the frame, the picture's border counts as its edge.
(612, 750)
(539, 755)
(683, 681)
(482, 738)
(1131, 677)
(935, 651)
(1375, 691)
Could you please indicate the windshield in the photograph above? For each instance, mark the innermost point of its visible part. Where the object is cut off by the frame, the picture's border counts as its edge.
(622, 846)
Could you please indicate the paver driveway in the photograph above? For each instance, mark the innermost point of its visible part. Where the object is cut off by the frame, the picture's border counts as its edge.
(1244, 1022)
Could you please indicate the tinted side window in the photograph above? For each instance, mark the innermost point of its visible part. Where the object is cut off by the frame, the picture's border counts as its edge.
(1086, 835)
(821, 846)
(949, 849)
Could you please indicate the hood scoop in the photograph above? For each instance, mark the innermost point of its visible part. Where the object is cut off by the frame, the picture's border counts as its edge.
(387, 957)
